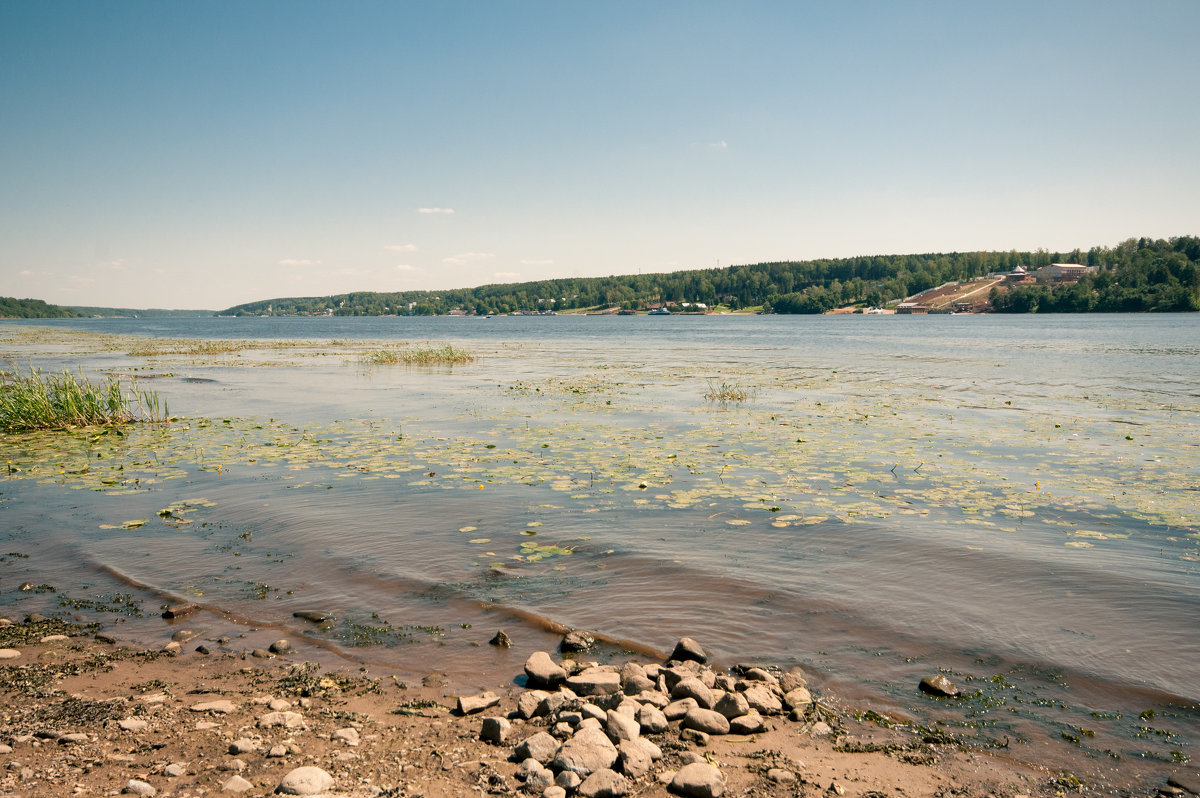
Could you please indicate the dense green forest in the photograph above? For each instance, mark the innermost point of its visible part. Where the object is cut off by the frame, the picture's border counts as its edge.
(1145, 275)
(11, 308)
(1162, 272)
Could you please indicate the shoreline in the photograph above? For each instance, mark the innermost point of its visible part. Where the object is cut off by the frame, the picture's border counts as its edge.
(86, 715)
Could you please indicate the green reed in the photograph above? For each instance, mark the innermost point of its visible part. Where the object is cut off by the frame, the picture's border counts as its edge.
(430, 355)
(55, 401)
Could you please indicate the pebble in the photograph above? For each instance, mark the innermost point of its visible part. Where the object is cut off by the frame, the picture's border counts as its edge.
(277, 752)
(568, 780)
(133, 724)
(577, 640)
(308, 780)
(172, 648)
(692, 687)
(314, 616)
(501, 640)
(554, 791)
(222, 707)
(588, 751)
(694, 736)
(138, 787)
(750, 723)
(184, 635)
(242, 745)
(621, 726)
(72, 739)
(279, 647)
(652, 720)
(9, 653)
(635, 760)
(706, 720)
(540, 747)
(288, 720)
(781, 776)
(175, 770)
(5, 749)
(55, 638)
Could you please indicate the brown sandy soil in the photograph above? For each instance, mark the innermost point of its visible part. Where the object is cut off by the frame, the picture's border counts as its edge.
(68, 706)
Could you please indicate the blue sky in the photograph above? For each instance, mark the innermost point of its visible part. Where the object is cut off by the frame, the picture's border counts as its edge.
(204, 154)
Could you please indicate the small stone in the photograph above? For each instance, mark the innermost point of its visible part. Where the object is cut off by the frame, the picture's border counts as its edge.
(677, 709)
(621, 726)
(5, 748)
(179, 610)
(762, 699)
(540, 747)
(235, 765)
(528, 702)
(732, 705)
(348, 735)
(706, 720)
(279, 704)
(308, 780)
(781, 776)
(501, 640)
(568, 780)
(588, 751)
(55, 638)
(694, 736)
(242, 745)
(792, 679)
(76, 738)
(693, 688)
(101, 637)
(33, 617)
(603, 783)
(313, 616)
(698, 780)
(280, 647)
(1185, 781)
(470, 704)
(277, 752)
(133, 724)
(261, 653)
(288, 720)
(237, 785)
(635, 760)
(184, 635)
(554, 791)
(688, 650)
(821, 729)
(221, 707)
(577, 640)
(750, 723)
(652, 720)
(938, 685)
(595, 681)
(495, 730)
(543, 672)
(538, 781)
(202, 649)
(138, 787)
(799, 698)
(175, 770)
(172, 649)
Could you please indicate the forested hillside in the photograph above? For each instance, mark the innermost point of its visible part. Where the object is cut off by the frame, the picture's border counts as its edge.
(1163, 272)
(12, 308)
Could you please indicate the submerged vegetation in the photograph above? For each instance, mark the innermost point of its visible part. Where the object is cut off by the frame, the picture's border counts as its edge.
(56, 401)
(430, 355)
(726, 392)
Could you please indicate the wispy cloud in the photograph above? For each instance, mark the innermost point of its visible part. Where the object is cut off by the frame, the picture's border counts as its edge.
(26, 273)
(401, 247)
(299, 262)
(546, 262)
(506, 275)
(404, 267)
(467, 257)
(435, 210)
(718, 145)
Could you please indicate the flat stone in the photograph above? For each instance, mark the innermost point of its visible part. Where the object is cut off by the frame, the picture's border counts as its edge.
(242, 745)
(694, 736)
(938, 685)
(677, 709)
(222, 707)
(781, 776)
(706, 720)
(277, 752)
(237, 785)
(133, 724)
(588, 751)
(543, 671)
(603, 783)
(306, 780)
(179, 611)
(76, 738)
(55, 639)
(313, 616)
(5, 748)
(798, 698)
(762, 699)
(138, 787)
(288, 720)
(595, 681)
(470, 704)
(495, 730)
(175, 770)
(750, 723)
(528, 702)
(9, 653)
(698, 780)
(1185, 781)
(688, 650)
(540, 747)
(348, 735)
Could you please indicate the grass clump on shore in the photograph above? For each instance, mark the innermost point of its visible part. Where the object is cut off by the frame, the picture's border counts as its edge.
(430, 355)
(39, 401)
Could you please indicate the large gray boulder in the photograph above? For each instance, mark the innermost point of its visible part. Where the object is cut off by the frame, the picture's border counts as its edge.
(588, 751)
(698, 780)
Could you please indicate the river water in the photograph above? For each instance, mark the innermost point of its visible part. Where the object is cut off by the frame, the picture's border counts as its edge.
(1010, 499)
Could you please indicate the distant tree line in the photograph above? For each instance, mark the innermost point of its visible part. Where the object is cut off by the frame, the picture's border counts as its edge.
(11, 308)
(1165, 279)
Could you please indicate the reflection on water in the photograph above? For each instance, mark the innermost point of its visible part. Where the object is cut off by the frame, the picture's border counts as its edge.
(1012, 499)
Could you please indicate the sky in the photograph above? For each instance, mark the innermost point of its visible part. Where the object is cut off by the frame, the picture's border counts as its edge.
(206, 154)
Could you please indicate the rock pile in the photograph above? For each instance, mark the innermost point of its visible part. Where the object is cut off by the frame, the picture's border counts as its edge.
(596, 721)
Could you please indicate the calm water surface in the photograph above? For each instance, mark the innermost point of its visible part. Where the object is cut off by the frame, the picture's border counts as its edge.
(1011, 499)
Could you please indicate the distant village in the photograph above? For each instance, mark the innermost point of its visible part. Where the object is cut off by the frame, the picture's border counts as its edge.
(973, 296)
